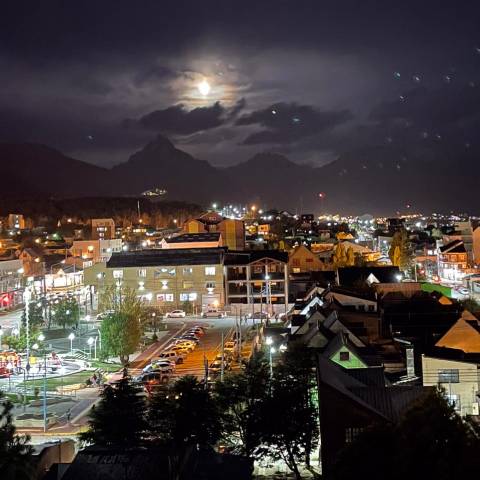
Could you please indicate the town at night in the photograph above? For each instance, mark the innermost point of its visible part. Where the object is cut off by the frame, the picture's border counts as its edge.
(239, 240)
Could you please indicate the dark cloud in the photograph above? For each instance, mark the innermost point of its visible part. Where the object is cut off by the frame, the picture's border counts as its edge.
(290, 122)
(178, 120)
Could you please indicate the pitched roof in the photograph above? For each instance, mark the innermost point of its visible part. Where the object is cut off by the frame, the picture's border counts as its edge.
(237, 257)
(455, 246)
(195, 237)
(347, 276)
(464, 335)
(167, 257)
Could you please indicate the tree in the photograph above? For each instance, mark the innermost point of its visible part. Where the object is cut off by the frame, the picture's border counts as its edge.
(19, 342)
(431, 441)
(184, 418)
(66, 312)
(291, 437)
(122, 327)
(241, 397)
(35, 315)
(350, 262)
(400, 251)
(15, 453)
(119, 418)
(339, 256)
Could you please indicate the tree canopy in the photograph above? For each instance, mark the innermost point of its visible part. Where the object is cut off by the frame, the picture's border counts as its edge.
(15, 453)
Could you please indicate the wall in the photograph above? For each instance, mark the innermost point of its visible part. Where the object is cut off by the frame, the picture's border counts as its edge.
(466, 388)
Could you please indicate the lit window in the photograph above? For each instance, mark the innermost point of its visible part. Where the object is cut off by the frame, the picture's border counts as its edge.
(188, 297)
(164, 284)
(118, 274)
(187, 270)
(210, 285)
(209, 271)
(163, 272)
(142, 272)
(187, 284)
(164, 297)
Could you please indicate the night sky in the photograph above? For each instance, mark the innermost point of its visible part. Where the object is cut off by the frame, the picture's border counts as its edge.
(310, 79)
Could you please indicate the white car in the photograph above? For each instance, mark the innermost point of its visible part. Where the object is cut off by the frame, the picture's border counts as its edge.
(229, 347)
(175, 314)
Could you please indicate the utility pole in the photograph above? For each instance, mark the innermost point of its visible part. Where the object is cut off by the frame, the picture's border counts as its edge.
(222, 369)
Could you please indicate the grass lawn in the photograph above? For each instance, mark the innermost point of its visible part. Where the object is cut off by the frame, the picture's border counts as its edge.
(53, 383)
(107, 367)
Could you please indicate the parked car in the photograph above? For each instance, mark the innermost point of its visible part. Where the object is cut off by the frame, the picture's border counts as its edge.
(187, 344)
(191, 337)
(213, 313)
(464, 291)
(227, 358)
(229, 347)
(182, 351)
(160, 367)
(171, 355)
(175, 314)
(259, 316)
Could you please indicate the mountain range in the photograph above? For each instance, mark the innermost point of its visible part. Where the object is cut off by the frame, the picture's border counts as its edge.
(378, 180)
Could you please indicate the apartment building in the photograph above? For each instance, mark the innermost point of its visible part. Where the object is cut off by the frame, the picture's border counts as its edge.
(166, 278)
(96, 250)
(103, 228)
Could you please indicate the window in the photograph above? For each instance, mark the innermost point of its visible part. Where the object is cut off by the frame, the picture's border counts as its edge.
(118, 274)
(344, 356)
(210, 285)
(164, 272)
(164, 284)
(454, 400)
(209, 271)
(351, 434)
(448, 376)
(309, 260)
(187, 284)
(142, 272)
(164, 297)
(187, 271)
(296, 270)
(296, 262)
(188, 297)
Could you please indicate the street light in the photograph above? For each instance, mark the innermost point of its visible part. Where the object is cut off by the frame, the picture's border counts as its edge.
(41, 338)
(272, 350)
(90, 343)
(71, 337)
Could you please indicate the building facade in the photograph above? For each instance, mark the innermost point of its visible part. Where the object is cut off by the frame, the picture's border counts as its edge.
(452, 261)
(96, 250)
(103, 229)
(11, 283)
(165, 278)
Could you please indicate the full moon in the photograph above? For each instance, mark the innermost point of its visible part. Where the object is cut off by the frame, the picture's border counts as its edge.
(204, 88)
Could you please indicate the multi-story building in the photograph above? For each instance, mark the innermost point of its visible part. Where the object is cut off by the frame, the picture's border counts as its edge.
(16, 221)
(231, 230)
(257, 277)
(166, 278)
(452, 261)
(11, 283)
(103, 229)
(193, 240)
(96, 250)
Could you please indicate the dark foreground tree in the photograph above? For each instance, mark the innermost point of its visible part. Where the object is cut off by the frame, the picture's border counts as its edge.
(184, 418)
(431, 441)
(119, 418)
(290, 417)
(241, 397)
(15, 453)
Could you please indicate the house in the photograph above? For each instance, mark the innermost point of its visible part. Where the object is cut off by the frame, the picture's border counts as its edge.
(99, 250)
(458, 374)
(301, 260)
(32, 261)
(452, 261)
(351, 400)
(16, 221)
(476, 245)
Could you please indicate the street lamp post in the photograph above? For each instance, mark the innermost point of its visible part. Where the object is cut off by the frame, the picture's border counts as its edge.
(90, 343)
(71, 337)
(41, 338)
